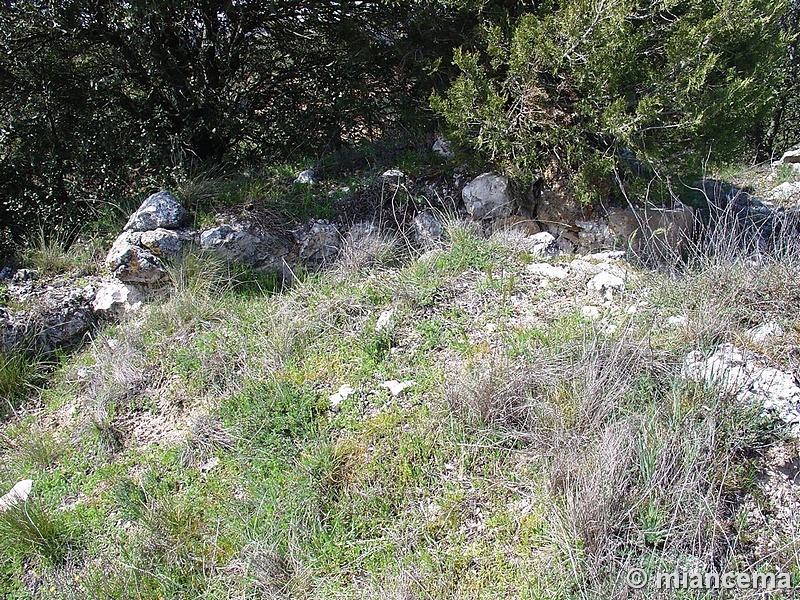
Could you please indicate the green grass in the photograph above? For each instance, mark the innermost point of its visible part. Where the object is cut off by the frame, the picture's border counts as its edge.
(198, 455)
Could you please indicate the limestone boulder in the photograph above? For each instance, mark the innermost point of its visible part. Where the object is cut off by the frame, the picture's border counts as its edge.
(160, 210)
(488, 196)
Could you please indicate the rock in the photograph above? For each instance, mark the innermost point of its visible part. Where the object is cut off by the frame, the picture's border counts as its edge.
(765, 332)
(397, 387)
(385, 322)
(428, 231)
(677, 320)
(786, 192)
(159, 210)
(343, 394)
(306, 177)
(488, 197)
(660, 232)
(744, 374)
(19, 493)
(590, 313)
(547, 270)
(131, 263)
(115, 298)
(393, 173)
(790, 157)
(59, 318)
(593, 235)
(317, 243)
(605, 257)
(6, 273)
(543, 244)
(557, 209)
(261, 251)
(164, 243)
(606, 283)
(441, 147)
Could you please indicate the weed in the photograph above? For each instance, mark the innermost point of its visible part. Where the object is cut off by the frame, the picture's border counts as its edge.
(30, 528)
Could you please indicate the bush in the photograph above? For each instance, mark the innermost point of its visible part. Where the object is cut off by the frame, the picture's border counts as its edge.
(590, 89)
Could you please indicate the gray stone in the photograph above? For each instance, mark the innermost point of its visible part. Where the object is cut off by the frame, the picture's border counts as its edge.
(786, 192)
(441, 147)
(306, 177)
(165, 243)
(159, 210)
(790, 157)
(428, 230)
(393, 174)
(131, 263)
(317, 243)
(547, 270)
(488, 197)
(114, 298)
(261, 251)
(59, 318)
(543, 244)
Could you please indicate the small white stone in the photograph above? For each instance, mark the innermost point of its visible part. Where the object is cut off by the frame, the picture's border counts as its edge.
(18, 493)
(306, 176)
(764, 332)
(606, 283)
(343, 394)
(393, 173)
(591, 313)
(385, 321)
(397, 387)
(547, 270)
(677, 320)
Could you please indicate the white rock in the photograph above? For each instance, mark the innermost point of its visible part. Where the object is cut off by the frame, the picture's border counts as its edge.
(790, 157)
(739, 372)
(606, 283)
(393, 173)
(543, 244)
(547, 270)
(18, 493)
(785, 192)
(159, 210)
(397, 387)
(605, 257)
(385, 321)
(677, 320)
(305, 177)
(591, 313)
(345, 391)
(114, 298)
(764, 332)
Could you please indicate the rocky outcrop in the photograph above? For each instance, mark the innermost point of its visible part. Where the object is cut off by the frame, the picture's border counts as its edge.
(56, 317)
(152, 236)
(317, 243)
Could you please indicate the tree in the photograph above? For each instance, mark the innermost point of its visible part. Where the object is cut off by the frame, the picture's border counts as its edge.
(592, 89)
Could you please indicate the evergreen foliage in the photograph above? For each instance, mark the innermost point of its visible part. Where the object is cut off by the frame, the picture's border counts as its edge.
(595, 88)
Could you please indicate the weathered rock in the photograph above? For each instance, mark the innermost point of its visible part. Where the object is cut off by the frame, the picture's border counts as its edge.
(488, 197)
(593, 235)
(159, 210)
(557, 209)
(543, 244)
(786, 192)
(132, 263)
(164, 243)
(765, 332)
(428, 230)
(115, 298)
(745, 375)
(58, 318)
(441, 147)
(305, 177)
(606, 283)
(261, 251)
(790, 157)
(547, 270)
(22, 275)
(318, 243)
(661, 232)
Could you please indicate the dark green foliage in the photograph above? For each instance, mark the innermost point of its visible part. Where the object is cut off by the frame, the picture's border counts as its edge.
(592, 89)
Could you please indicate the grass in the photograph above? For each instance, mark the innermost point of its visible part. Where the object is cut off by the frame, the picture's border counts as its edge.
(537, 455)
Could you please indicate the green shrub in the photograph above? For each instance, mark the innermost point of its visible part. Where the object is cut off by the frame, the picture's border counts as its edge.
(586, 89)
